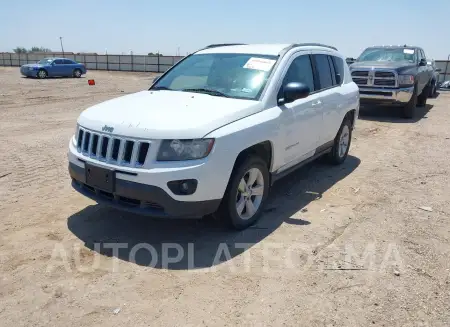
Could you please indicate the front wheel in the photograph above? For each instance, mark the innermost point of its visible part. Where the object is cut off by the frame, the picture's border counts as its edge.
(342, 141)
(246, 194)
(77, 73)
(408, 111)
(42, 74)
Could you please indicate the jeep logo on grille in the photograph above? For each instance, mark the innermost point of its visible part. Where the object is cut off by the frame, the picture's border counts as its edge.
(107, 128)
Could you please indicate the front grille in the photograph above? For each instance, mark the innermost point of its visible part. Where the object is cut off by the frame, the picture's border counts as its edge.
(125, 201)
(360, 81)
(375, 78)
(384, 74)
(363, 73)
(116, 150)
(384, 82)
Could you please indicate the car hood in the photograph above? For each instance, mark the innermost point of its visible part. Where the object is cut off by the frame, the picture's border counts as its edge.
(166, 114)
(381, 64)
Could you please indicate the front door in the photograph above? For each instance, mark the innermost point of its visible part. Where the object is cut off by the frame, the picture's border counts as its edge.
(302, 121)
(57, 68)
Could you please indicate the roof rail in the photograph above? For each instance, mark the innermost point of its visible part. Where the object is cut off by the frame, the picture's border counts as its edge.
(222, 45)
(295, 45)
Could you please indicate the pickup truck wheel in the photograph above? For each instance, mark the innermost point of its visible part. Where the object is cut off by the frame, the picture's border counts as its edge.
(341, 145)
(422, 98)
(432, 89)
(246, 194)
(409, 110)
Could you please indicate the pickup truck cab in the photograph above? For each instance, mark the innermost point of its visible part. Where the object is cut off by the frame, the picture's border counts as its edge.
(214, 132)
(393, 75)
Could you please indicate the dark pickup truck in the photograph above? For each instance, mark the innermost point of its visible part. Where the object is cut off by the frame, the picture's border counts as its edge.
(393, 75)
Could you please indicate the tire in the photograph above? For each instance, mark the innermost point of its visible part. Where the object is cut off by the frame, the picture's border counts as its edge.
(409, 110)
(422, 98)
(42, 74)
(432, 90)
(342, 141)
(238, 195)
(77, 73)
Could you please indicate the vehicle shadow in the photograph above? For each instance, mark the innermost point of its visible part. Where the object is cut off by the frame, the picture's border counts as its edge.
(196, 243)
(392, 114)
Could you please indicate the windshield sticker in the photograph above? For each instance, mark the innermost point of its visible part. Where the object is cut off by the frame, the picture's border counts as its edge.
(259, 64)
(408, 51)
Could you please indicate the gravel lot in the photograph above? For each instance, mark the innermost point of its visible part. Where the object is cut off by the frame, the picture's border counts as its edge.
(338, 246)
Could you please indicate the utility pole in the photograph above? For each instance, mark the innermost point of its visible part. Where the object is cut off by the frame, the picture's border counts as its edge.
(62, 48)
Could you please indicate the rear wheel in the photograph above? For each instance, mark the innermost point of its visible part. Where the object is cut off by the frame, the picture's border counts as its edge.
(77, 73)
(42, 73)
(342, 141)
(246, 194)
(410, 108)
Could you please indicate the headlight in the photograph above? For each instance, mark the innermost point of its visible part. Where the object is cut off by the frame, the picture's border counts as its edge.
(405, 79)
(177, 150)
(74, 137)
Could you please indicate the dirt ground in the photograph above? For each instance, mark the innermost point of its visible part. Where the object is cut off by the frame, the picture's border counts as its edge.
(337, 246)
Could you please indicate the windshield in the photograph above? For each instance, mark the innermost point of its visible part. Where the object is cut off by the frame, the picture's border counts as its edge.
(45, 61)
(233, 75)
(388, 54)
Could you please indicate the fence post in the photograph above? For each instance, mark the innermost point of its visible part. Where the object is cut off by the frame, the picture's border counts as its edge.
(159, 70)
(96, 61)
(145, 63)
(107, 62)
(27, 58)
(10, 59)
(132, 62)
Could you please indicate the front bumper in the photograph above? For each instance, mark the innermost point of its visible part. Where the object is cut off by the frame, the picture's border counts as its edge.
(385, 96)
(140, 198)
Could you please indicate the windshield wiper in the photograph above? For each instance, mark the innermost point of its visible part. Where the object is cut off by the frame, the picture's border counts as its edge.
(207, 91)
(157, 88)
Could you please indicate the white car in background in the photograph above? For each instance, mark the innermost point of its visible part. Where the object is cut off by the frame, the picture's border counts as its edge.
(215, 131)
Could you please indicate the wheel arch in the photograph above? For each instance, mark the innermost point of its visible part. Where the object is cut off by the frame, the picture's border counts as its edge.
(264, 150)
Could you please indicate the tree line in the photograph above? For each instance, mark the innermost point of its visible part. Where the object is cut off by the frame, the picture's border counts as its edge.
(33, 49)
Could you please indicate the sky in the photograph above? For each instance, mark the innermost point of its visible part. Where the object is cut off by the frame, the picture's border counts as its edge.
(172, 26)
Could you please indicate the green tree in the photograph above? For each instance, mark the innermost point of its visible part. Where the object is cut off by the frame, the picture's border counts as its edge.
(39, 49)
(20, 50)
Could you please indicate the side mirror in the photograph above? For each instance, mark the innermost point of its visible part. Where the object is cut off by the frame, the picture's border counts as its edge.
(438, 70)
(423, 62)
(294, 91)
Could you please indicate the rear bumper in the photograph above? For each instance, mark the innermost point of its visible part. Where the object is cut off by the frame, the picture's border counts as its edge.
(148, 200)
(385, 96)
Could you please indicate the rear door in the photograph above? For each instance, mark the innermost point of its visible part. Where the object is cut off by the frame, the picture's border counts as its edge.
(69, 66)
(329, 94)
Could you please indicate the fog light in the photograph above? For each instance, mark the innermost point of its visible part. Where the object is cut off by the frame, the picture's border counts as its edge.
(183, 187)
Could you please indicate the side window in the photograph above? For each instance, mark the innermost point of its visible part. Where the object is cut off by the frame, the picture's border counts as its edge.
(300, 71)
(419, 55)
(333, 72)
(58, 62)
(339, 67)
(68, 62)
(324, 71)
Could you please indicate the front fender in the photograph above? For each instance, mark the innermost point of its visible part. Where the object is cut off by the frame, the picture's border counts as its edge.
(235, 137)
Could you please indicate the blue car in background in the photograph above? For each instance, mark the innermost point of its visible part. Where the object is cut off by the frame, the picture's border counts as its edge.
(51, 67)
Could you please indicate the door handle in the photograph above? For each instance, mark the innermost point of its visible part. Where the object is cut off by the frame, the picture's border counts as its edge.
(316, 103)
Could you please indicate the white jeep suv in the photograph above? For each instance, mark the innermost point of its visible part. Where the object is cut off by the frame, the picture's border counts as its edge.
(215, 131)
